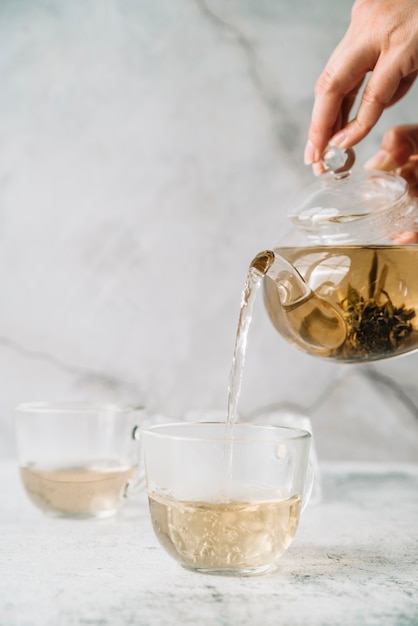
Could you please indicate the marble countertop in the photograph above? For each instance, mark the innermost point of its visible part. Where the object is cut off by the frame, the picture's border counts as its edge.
(354, 562)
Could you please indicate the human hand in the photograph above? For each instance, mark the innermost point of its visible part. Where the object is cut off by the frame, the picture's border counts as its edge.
(399, 152)
(382, 38)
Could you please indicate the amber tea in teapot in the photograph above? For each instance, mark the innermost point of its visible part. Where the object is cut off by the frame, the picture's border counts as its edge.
(372, 291)
(341, 286)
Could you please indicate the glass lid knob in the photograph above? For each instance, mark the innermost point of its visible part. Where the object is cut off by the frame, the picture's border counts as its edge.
(339, 161)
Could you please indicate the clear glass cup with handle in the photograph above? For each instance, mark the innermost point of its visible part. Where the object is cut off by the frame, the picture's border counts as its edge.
(222, 505)
(78, 460)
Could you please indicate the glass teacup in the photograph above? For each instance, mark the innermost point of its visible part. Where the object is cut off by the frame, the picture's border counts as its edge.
(78, 460)
(226, 505)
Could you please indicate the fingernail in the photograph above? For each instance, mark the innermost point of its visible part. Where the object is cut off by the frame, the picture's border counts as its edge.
(382, 160)
(339, 140)
(309, 154)
(318, 169)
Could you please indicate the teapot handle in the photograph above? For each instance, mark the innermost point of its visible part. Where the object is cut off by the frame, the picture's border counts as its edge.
(138, 484)
(309, 485)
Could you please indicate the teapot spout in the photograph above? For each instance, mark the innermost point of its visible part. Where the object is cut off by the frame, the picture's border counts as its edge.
(291, 286)
(263, 261)
(297, 312)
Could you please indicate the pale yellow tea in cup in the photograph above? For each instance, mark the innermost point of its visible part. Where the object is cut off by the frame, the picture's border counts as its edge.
(76, 491)
(225, 506)
(225, 535)
(77, 459)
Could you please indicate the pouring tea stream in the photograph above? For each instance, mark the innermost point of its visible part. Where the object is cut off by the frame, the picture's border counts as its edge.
(340, 286)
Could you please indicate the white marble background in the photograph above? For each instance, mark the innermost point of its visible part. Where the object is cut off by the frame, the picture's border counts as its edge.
(146, 153)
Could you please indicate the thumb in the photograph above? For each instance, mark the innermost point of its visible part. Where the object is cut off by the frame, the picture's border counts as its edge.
(398, 145)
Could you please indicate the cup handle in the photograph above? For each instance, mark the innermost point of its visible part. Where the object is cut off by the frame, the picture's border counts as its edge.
(137, 486)
(310, 480)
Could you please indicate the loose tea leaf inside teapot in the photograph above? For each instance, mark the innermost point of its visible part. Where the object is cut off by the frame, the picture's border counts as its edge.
(372, 288)
(374, 325)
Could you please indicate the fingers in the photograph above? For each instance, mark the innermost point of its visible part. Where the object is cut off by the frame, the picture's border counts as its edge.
(405, 238)
(335, 92)
(314, 154)
(385, 83)
(399, 151)
(381, 40)
(334, 109)
(410, 173)
(347, 105)
(398, 145)
(332, 104)
(383, 89)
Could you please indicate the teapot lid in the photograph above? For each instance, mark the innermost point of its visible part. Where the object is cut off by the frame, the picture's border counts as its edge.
(351, 206)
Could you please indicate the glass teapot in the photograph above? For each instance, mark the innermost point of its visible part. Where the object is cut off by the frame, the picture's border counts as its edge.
(344, 283)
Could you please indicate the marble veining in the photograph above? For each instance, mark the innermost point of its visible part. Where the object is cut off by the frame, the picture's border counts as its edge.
(148, 152)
